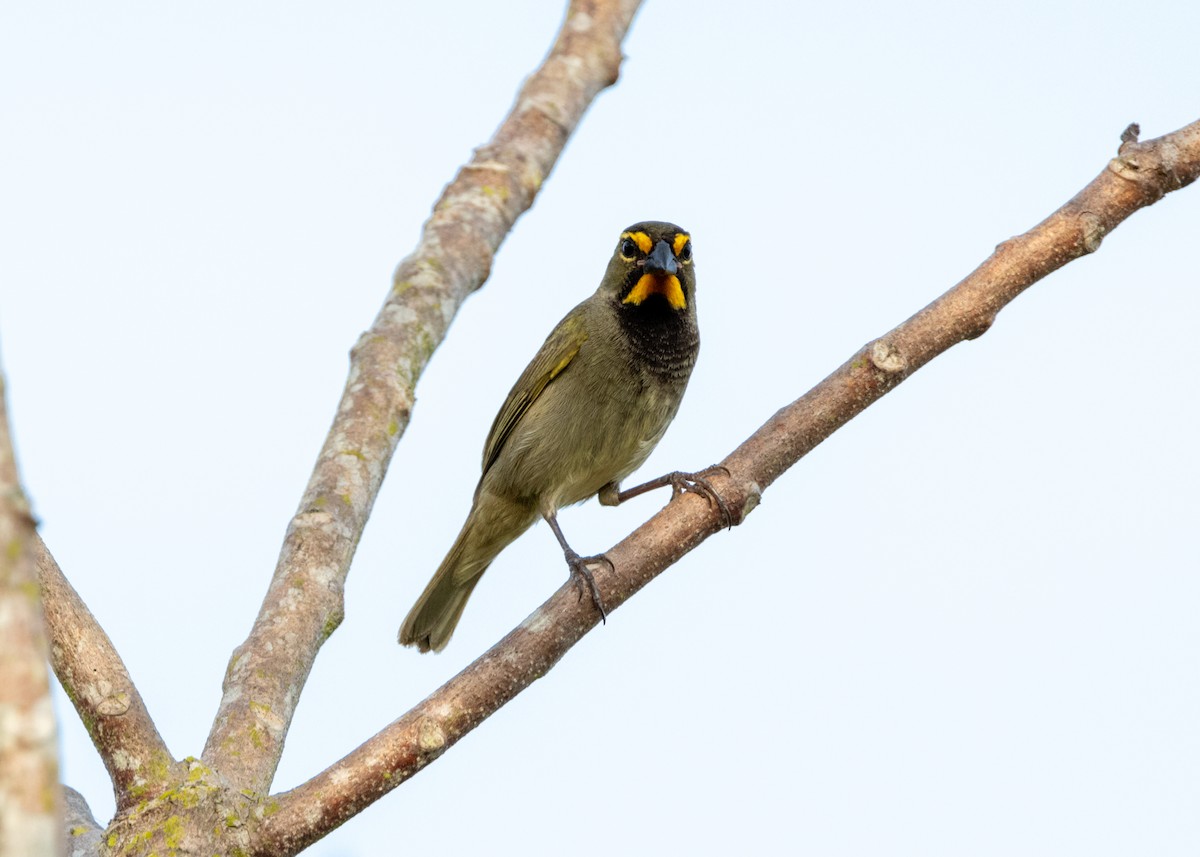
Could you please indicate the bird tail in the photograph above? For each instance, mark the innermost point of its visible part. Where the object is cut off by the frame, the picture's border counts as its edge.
(489, 528)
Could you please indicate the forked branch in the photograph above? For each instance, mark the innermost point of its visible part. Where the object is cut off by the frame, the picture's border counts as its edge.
(1140, 175)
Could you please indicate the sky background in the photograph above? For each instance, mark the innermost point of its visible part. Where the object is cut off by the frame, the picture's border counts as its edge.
(965, 624)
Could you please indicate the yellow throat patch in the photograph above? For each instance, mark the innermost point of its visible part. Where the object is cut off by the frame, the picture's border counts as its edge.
(654, 284)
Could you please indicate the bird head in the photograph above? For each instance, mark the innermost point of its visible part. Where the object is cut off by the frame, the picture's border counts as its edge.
(652, 268)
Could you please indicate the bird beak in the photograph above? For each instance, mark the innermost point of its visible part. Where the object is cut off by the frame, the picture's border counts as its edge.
(661, 260)
(658, 278)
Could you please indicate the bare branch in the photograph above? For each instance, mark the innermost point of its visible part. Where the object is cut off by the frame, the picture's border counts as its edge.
(96, 680)
(304, 603)
(84, 834)
(1140, 175)
(30, 797)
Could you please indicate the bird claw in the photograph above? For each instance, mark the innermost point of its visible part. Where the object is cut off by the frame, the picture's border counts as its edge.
(580, 571)
(697, 483)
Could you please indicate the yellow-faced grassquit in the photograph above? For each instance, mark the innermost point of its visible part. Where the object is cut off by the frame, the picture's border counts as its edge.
(586, 412)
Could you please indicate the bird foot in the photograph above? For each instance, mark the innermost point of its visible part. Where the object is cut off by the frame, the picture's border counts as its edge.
(580, 571)
(697, 483)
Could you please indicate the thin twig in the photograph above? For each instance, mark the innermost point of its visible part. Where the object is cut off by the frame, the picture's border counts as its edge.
(1140, 175)
(304, 603)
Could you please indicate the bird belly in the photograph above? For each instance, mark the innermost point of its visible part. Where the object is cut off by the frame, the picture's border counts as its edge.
(576, 445)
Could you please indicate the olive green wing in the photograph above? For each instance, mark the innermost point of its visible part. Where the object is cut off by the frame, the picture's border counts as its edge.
(552, 358)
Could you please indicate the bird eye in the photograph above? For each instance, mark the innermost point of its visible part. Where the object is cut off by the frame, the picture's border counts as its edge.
(685, 255)
(628, 249)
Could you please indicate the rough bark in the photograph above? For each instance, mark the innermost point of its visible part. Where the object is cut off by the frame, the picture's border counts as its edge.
(1141, 174)
(84, 834)
(30, 796)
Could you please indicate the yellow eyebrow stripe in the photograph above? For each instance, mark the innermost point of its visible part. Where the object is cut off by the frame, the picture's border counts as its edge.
(639, 238)
(681, 239)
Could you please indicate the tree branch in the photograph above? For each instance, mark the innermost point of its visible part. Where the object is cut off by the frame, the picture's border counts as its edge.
(30, 796)
(1140, 175)
(84, 834)
(304, 603)
(96, 680)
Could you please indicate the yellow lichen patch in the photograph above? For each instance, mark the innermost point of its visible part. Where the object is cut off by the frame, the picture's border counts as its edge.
(331, 625)
(651, 284)
(173, 831)
(680, 239)
(160, 765)
(189, 797)
(639, 238)
(197, 770)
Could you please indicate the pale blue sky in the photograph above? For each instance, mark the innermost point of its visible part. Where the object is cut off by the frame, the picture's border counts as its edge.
(966, 624)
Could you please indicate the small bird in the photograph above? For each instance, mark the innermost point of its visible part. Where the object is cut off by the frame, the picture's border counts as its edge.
(586, 412)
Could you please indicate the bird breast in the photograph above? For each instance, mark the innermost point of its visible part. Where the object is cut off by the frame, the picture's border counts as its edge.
(596, 423)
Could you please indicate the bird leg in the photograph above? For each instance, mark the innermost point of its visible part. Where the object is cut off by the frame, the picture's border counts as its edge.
(680, 482)
(579, 565)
